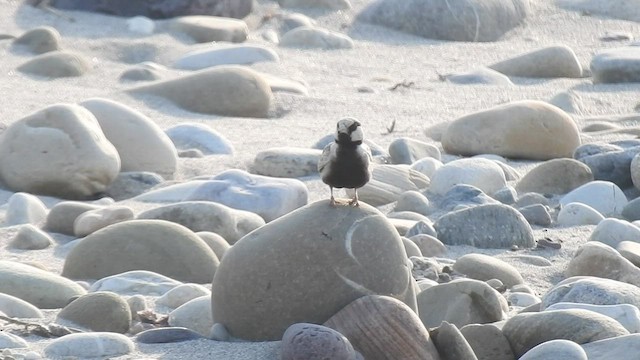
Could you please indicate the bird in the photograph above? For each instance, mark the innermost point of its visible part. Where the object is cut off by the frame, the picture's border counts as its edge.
(345, 162)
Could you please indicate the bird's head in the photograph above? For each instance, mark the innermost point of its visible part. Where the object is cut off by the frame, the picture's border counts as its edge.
(349, 131)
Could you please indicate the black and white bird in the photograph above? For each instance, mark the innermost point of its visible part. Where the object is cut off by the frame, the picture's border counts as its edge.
(345, 162)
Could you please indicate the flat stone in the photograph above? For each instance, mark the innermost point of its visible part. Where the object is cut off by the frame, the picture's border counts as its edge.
(166, 335)
(592, 290)
(484, 267)
(95, 344)
(618, 65)
(204, 29)
(626, 314)
(136, 282)
(226, 55)
(485, 76)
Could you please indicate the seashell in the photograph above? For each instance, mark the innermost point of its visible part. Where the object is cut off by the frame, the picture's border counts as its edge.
(381, 327)
(389, 182)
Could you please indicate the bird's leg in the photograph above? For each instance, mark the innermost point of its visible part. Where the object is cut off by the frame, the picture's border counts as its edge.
(354, 201)
(333, 200)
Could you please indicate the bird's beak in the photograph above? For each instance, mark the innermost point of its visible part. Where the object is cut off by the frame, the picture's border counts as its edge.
(344, 137)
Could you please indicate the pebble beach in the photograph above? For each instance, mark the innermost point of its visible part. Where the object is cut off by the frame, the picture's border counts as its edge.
(160, 198)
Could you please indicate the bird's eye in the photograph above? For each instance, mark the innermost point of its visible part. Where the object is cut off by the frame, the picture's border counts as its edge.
(354, 126)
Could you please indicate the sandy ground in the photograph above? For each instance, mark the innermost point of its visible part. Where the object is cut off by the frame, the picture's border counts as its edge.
(380, 59)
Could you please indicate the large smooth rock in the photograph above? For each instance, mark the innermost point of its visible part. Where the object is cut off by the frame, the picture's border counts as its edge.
(485, 267)
(461, 302)
(266, 196)
(154, 245)
(549, 62)
(383, 328)
(605, 197)
(592, 290)
(389, 182)
(597, 259)
(99, 311)
(160, 9)
(226, 55)
(229, 223)
(223, 90)
(619, 65)
(525, 129)
(612, 231)
(41, 288)
(526, 330)
(485, 226)
(557, 176)
(355, 251)
(484, 174)
(141, 143)
(66, 151)
(476, 20)
(287, 162)
(56, 64)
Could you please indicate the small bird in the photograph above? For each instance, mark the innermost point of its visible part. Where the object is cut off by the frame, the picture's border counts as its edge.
(344, 163)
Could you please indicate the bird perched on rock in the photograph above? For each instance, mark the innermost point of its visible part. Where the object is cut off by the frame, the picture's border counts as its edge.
(344, 163)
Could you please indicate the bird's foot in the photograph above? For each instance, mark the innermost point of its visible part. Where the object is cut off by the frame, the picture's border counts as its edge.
(332, 202)
(354, 202)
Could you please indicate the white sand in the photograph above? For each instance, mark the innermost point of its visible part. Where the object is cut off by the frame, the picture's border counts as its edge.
(380, 59)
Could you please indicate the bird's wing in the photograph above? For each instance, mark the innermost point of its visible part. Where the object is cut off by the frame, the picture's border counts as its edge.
(325, 157)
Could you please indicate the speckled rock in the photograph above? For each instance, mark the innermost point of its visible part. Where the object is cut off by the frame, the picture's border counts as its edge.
(315, 342)
(485, 226)
(592, 290)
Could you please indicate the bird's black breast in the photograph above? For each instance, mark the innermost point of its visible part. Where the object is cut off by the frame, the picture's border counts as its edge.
(349, 169)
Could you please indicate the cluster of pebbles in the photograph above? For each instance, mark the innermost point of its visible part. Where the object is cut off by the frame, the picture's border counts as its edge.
(244, 257)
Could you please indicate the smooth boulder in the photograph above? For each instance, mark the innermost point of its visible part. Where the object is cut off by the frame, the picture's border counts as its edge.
(223, 90)
(557, 176)
(550, 62)
(154, 245)
(67, 152)
(527, 129)
(354, 251)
